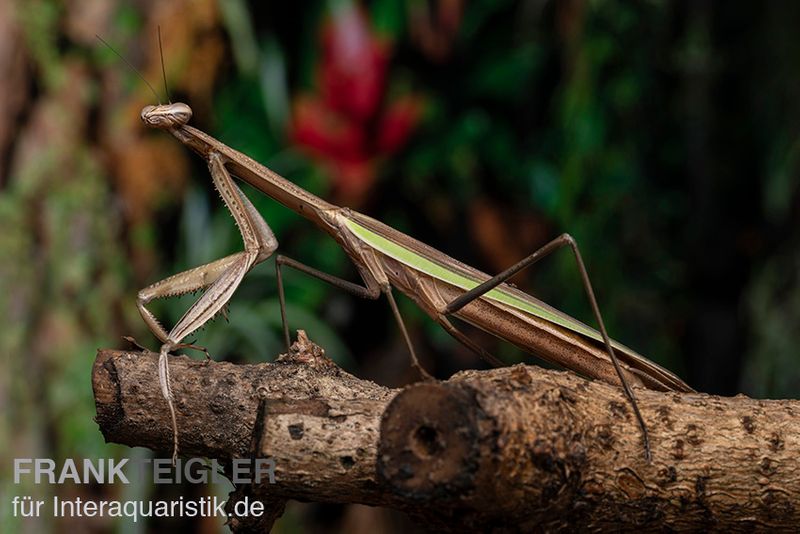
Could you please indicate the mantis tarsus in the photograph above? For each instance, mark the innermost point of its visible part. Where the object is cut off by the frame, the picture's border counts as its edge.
(385, 258)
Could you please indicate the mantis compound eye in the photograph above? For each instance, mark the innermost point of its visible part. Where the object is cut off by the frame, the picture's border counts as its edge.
(146, 113)
(180, 112)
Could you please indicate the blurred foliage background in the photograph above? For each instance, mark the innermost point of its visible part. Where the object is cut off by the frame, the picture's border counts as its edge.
(664, 136)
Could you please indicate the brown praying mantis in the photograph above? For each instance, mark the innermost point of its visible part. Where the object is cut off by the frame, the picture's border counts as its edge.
(385, 259)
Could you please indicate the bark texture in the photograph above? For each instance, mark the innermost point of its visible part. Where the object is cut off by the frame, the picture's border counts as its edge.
(518, 448)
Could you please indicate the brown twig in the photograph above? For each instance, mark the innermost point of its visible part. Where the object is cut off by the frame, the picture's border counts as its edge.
(517, 448)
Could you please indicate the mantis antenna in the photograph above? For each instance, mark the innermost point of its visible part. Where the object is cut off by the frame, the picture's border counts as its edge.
(134, 69)
(163, 69)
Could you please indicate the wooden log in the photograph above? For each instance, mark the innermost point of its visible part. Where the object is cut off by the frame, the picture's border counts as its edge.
(518, 448)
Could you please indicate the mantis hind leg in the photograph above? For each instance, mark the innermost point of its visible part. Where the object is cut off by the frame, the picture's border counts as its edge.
(369, 291)
(557, 243)
(466, 341)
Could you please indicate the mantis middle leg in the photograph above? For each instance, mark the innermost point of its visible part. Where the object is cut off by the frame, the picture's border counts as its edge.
(370, 291)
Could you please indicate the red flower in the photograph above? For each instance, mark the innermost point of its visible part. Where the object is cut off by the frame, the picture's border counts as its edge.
(326, 132)
(354, 64)
(398, 122)
(345, 125)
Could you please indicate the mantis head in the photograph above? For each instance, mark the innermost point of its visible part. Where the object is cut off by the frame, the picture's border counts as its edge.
(166, 116)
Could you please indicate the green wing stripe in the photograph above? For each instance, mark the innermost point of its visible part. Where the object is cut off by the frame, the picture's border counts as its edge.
(425, 265)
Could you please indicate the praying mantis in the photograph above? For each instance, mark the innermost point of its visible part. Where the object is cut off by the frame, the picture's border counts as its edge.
(385, 259)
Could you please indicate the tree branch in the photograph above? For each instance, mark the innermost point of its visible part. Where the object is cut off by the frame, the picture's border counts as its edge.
(515, 448)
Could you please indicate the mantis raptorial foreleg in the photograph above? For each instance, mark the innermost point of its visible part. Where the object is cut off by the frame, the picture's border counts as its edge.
(369, 291)
(180, 284)
(561, 241)
(221, 277)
